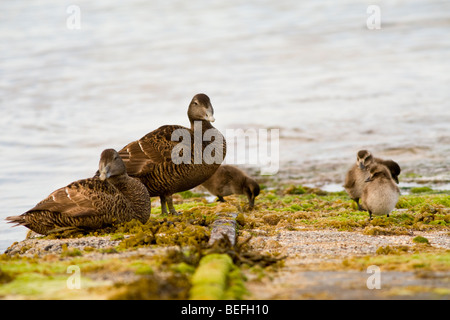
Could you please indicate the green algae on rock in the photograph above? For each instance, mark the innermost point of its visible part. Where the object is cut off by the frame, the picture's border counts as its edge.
(420, 239)
(217, 278)
(137, 261)
(5, 277)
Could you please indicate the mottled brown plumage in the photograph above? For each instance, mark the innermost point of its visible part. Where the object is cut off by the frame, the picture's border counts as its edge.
(229, 180)
(359, 172)
(91, 203)
(155, 159)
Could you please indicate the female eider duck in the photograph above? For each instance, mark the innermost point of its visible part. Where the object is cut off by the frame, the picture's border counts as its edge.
(91, 203)
(229, 180)
(173, 158)
(359, 172)
(380, 193)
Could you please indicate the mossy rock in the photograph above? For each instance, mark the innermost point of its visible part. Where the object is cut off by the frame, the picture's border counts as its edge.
(217, 278)
(292, 189)
(392, 250)
(420, 239)
(154, 287)
(272, 219)
(5, 277)
(421, 189)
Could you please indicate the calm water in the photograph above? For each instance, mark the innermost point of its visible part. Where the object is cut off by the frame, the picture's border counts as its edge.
(310, 68)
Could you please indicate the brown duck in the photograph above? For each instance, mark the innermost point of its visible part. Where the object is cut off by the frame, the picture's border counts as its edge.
(380, 193)
(173, 158)
(229, 180)
(92, 203)
(359, 172)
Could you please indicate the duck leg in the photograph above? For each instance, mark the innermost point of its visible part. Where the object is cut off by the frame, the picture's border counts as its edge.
(360, 208)
(170, 205)
(163, 205)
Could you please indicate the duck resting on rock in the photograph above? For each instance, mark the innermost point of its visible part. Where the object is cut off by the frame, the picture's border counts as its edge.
(90, 204)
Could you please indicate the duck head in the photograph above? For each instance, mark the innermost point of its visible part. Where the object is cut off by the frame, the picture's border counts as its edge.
(110, 164)
(364, 159)
(200, 108)
(378, 171)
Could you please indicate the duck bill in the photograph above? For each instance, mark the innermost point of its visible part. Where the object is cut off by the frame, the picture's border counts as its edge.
(209, 117)
(362, 166)
(105, 173)
(209, 114)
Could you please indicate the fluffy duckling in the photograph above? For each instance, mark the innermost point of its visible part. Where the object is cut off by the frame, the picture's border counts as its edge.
(380, 193)
(357, 175)
(229, 180)
(92, 203)
(393, 167)
(359, 172)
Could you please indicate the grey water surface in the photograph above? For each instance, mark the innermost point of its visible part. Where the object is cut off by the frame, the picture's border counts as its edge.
(312, 69)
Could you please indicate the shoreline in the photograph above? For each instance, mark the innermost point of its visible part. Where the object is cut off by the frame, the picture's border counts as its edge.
(299, 175)
(289, 240)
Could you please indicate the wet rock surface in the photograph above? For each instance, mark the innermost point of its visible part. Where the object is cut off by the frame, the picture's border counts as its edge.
(318, 263)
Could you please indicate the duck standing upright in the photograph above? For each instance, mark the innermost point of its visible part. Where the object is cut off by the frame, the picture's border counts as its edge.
(92, 203)
(380, 194)
(359, 172)
(357, 175)
(155, 159)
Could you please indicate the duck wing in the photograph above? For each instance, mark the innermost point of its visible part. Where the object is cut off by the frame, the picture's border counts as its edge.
(155, 148)
(80, 198)
(349, 178)
(393, 167)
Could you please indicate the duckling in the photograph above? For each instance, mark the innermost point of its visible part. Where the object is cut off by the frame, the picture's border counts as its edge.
(359, 172)
(229, 180)
(393, 167)
(357, 175)
(380, 193)
(92, 203)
